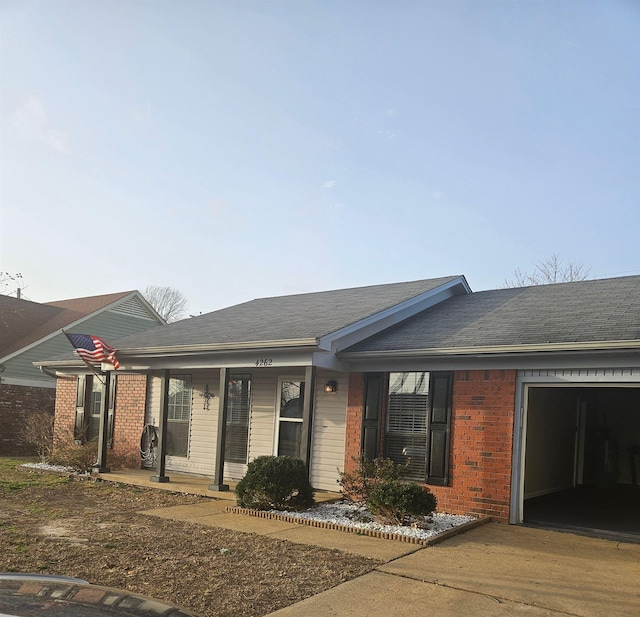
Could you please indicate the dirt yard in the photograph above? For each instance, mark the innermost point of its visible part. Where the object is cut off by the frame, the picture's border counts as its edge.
(53, 524)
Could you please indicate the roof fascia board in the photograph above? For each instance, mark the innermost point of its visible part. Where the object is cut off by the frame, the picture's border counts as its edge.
(247, 360)
(207, 348)
(376, 323)
(503, 350)
(328, 360)
(629, 376)
(58, 332)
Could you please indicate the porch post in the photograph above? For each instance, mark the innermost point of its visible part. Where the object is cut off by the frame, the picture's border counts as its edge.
(162, 438)
(307, 414)
(218, 474)
(103, 433)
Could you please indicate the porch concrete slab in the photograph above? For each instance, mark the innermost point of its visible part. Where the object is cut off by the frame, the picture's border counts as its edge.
(190, 484)
(378, 594)
(555, 571)
(178, 483)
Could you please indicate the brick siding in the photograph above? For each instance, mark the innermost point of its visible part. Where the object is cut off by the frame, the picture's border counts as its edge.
(355, 410)
(17, 404)
(131, 394)
(481, 442)
(66, 389)
(128, 423)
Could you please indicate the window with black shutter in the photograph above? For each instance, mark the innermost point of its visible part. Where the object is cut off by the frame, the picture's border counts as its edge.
(79, 428)
(238, 412)
(418, 424)
(94, 389)
(179, 415)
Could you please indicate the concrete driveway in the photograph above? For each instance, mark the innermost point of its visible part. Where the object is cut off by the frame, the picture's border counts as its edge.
(494, 570)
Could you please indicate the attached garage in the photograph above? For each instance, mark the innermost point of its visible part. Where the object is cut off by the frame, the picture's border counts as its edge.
(580, 450)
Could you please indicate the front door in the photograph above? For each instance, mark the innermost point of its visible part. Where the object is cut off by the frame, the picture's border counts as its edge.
(289, 417)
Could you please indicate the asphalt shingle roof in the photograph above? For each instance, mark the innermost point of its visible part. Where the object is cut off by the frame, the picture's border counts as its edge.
(302, 316)
(586, 311)
(23, 322)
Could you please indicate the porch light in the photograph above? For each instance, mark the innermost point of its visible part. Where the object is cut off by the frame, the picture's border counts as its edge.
(331, 386)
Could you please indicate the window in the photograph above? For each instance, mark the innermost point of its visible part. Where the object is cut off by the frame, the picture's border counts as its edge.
(238, 410)
(93, 411)
(88, 407)
(179, 413)
(289, 428)
(418, 423)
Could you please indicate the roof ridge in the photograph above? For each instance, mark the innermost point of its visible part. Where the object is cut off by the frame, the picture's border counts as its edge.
(359, 287)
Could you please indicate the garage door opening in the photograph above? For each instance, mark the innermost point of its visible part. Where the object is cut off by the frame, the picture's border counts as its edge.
(582, 459)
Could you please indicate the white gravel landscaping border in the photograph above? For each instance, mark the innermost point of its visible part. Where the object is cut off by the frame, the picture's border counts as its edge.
(349, 517)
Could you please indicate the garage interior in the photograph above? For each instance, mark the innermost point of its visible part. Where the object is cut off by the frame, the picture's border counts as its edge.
(582, 460)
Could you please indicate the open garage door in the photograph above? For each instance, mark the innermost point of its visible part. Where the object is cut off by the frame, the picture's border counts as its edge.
(582, 458)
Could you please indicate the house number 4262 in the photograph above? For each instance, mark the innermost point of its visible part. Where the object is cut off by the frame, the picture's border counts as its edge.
(264, 362)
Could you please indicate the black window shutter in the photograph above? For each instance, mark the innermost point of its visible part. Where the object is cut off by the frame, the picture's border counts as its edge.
(371, 416)
(111, 411)
(439, 430)
(84, 386)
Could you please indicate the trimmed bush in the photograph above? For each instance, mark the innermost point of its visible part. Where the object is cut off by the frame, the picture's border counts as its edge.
(358, 484)
(275, 483)
(395, 501)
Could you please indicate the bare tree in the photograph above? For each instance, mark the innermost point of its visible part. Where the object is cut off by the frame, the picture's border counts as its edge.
(170, 303)
(11, 284)
(549, 270)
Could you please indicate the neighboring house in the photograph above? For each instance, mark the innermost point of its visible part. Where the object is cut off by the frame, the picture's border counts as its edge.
(30, 331)
(493, 397)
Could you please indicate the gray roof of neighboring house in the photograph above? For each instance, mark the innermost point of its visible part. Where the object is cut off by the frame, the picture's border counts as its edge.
(564, 313)
(295, 317)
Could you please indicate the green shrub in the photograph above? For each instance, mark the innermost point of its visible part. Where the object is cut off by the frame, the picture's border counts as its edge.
(358, 484)
(394, 501)
(275, 483)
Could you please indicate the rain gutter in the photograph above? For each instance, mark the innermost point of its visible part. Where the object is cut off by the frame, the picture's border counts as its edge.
(495, 350)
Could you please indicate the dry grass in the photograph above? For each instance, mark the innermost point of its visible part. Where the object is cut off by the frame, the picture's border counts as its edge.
(91, 530)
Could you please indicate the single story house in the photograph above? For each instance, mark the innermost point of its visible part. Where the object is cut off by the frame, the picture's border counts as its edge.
(494, 397)
(30, 331)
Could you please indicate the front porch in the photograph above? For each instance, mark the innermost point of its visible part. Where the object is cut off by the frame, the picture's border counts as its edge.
(191, 484)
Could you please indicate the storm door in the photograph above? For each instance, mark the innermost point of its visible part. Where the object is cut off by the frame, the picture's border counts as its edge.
(289, 417)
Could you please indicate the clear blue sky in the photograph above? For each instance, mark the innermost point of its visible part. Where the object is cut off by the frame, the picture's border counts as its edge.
(235, 150)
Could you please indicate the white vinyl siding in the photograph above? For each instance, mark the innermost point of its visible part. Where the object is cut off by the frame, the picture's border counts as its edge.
(200, 458)
(328, 434)
(263, 413)
(203, 437)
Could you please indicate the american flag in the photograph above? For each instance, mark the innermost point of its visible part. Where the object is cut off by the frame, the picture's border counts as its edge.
(93, 349)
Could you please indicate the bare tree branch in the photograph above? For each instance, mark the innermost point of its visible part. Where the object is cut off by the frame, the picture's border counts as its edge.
(168, 302)
(12, 284)
(548, 271)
